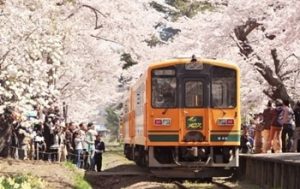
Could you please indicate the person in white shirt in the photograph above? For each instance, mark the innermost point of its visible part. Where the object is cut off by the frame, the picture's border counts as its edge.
(90, 138)
(62, 151)
(78, 147)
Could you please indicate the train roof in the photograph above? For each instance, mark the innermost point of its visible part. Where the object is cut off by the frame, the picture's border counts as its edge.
(185, 60)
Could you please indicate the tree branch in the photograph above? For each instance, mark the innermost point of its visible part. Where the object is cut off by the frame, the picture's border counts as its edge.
(251, 24)
(283, 76)
(2, 59)
(241, 32)
(267, 74)
(29, 34)
(274, 80)
(268, 94)
(96, 12)
(276, 61)
(102, 38)
(237, 43)
(284, 61)
(64, 87)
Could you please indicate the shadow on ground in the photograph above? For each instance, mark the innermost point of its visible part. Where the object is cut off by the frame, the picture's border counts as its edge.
(122, 176)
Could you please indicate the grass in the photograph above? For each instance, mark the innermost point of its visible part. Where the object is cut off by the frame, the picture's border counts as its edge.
(113, 159)
(79, 181)
(22, 182)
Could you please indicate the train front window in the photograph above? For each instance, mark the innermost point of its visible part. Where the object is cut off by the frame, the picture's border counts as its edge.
(223, 88)
(164, 87)
(193, 94)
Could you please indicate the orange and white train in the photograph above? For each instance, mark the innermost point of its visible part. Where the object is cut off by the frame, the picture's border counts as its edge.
(182, 118)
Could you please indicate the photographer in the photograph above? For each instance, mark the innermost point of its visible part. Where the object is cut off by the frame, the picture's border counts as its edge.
(246, 142)
(39, 142)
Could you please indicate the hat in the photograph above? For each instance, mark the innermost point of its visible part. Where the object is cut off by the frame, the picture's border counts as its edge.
(90, 124)
(51, 115)
(278, 102)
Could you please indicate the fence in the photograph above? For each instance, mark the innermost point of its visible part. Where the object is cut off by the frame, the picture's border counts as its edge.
(272, 170)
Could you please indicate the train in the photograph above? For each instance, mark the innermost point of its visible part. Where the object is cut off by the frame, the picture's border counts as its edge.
(181, 119)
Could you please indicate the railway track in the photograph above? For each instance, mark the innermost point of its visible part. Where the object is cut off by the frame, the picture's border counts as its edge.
(180, 185)
(220, 184)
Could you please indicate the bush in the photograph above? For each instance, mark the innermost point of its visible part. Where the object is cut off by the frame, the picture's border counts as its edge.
(22, 182)
(79, 181)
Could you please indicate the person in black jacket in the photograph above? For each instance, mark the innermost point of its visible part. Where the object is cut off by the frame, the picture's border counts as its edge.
(246, 142)
(297, 129)
(99, 149)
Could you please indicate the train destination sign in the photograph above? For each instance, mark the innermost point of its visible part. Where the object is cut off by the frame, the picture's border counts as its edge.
(194, 66)
(164, 72)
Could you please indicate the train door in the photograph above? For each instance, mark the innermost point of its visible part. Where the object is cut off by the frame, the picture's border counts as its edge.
(194, 111)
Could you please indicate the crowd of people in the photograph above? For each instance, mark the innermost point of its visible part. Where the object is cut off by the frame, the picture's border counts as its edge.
(50, 138)
(276, 129)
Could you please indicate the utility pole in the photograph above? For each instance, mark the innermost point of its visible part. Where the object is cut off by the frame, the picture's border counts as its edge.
(65, 112)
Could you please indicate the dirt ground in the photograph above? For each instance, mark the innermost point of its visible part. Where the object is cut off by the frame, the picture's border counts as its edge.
(117, 173)
(121, 173)
(56, 175)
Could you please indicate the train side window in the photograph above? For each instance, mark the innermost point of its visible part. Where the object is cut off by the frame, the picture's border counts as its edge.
(193, 94)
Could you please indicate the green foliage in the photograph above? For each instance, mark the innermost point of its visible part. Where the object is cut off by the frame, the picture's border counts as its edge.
(153, 41)
(112, 122)
(158, 7)
(126, 57)
(69, 165)
(22, 182)
(185, 8)
(174, 15)
(190, 8)
(80, 183)
(71, 1)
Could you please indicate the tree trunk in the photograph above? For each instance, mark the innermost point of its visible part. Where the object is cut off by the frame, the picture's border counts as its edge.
(274, 77)
(5, 137)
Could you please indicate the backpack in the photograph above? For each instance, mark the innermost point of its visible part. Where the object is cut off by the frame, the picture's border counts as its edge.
(278, 117)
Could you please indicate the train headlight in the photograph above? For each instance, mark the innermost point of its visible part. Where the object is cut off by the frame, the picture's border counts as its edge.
(225, 122)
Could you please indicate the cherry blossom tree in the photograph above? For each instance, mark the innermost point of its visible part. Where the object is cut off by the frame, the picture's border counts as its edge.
(71, 50)
(31, 54)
